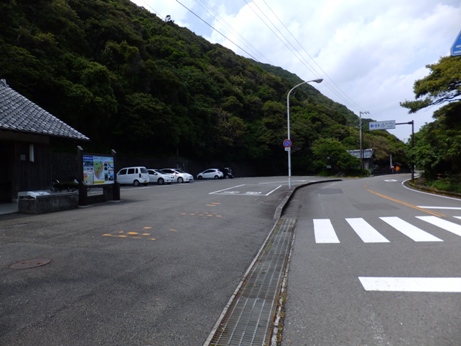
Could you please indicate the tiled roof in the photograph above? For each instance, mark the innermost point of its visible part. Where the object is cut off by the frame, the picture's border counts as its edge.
(17, 113)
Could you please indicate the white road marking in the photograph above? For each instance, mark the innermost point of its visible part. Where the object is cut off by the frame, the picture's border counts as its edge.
(409, 230)
(243, 193)
(402, 284)
(435, 207)
(444, 224)
(219, 191)
(270, 192)
(365, 231)
(324, 232)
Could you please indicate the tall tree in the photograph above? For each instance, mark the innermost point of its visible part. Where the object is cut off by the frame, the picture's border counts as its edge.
(442, 85)
(437, 149)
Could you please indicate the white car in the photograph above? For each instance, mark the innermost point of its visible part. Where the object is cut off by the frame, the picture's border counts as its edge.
(159, 177)
(211, 173)
(133, 175)
(179, 175)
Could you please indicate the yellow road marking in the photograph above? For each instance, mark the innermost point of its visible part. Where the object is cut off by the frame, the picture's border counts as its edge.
(403, 203)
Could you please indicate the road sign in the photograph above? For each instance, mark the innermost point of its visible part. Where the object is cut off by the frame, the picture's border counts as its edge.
(382, 125)
(456, 48)
(287, 143)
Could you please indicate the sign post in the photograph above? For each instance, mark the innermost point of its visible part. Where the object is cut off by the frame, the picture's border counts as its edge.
(287, 145)
(390, 124)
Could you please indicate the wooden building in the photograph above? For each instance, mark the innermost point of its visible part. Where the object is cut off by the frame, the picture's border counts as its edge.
(25, 154)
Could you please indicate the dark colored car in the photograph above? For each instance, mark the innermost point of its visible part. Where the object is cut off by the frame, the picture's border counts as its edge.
(227, 172)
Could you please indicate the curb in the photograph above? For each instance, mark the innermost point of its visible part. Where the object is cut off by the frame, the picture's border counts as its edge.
(281, 207)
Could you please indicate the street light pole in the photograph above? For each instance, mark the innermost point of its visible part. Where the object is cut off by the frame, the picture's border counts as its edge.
(288, 149)
(361, 151)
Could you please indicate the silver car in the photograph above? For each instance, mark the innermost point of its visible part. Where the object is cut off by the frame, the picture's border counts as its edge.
(180, 175)
(159, 177)
(211, 173)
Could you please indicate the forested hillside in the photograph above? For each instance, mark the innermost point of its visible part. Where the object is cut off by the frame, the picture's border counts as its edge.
(145, 86)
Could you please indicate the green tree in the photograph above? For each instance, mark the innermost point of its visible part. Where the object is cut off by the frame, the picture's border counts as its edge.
(331, 157)
(443, 84)
(437, 145)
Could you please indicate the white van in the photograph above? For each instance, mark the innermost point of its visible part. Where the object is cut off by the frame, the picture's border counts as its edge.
(133, 175)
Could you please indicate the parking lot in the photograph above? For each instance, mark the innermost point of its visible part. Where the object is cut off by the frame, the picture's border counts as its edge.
(155, 268)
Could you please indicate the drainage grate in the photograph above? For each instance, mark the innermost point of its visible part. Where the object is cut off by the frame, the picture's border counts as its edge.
(30, 263)
(249, 319)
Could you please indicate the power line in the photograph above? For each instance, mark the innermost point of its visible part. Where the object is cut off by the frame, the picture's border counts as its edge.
(324, 74)
(280, 36)
(221, 20)
(156, 12)
(216, 30)
(311, 68)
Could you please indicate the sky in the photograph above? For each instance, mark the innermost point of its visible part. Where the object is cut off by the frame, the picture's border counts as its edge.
(369, 53)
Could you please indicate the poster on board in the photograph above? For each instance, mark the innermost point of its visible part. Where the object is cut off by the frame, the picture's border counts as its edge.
(98, 170)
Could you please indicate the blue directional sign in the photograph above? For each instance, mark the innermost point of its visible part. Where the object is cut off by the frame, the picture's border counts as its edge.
(382, 125)
(456, 48)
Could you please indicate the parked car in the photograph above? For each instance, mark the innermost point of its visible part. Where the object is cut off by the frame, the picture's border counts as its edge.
(159, 177)
(133, 175)
(227, 172)
(211, 173)
(180, 175)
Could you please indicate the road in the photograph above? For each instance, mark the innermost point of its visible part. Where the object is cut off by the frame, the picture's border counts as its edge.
(156, 268)
(374, 263)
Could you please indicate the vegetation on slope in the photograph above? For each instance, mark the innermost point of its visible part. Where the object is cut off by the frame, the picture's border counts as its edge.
(142, 85)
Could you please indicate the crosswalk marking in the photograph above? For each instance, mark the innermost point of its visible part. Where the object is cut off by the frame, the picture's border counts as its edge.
(444, 224)
(409, 230)
(365, 231)
(324, 231)
(405, 284)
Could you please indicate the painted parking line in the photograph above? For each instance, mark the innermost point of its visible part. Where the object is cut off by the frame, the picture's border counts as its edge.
(224, 190)
(238, 191)
(405, 284)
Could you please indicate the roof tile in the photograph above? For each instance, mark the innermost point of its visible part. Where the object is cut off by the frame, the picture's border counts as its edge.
(17, 113)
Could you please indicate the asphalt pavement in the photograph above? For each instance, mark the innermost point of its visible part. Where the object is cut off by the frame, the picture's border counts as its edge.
(79, 242)
(156, 268)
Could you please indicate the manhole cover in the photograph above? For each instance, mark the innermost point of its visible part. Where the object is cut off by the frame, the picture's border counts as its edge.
(30, 263)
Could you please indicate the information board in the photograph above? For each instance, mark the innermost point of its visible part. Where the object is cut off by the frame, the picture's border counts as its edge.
(98, 170)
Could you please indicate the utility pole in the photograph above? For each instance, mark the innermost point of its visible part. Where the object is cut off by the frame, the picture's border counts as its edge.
(361, 150)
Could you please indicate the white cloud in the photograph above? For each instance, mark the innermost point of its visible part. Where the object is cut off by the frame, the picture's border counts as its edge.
(371, 51)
